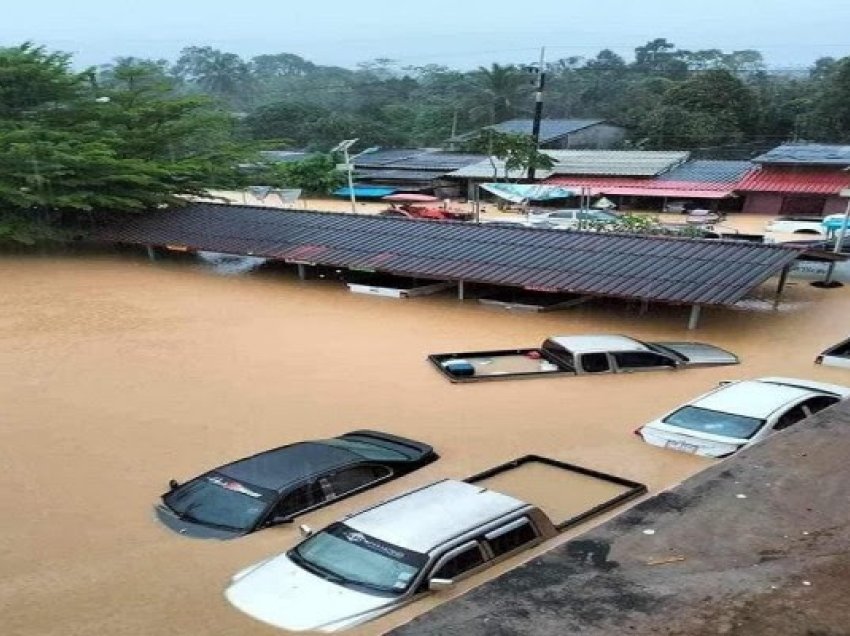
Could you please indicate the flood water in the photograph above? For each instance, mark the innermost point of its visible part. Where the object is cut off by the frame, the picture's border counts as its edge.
(118, 375)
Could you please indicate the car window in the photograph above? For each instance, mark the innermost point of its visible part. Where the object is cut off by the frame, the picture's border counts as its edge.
(641, 360)
(561, 215)
(790, 418)
(461, 563)
(366, 448)
(695, 418)
(345, 481)
(595, 363)
(819, 403)
(510, 537)
(559, 352)
(299, 499)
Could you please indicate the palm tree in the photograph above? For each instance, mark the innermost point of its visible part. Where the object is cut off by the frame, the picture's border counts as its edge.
(504, 87)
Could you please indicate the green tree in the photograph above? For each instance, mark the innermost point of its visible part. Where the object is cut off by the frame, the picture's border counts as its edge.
(223, 75)
(518, 153)
(79, 150)
(315, 175)
(830, 119)
(503, 88)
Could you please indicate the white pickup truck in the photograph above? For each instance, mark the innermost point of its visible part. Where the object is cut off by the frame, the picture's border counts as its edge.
(396, 552)
(579, 355)
(797, 225)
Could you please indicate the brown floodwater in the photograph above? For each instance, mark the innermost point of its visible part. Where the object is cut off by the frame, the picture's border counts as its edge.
(116, 375)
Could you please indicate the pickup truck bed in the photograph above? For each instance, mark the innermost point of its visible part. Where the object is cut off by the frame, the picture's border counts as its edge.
(503, 364)
(562, 491)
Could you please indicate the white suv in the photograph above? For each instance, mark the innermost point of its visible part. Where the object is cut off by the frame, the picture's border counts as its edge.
(797, 225)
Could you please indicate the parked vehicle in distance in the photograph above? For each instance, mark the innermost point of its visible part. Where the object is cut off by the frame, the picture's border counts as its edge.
(276, 486)
(682, 207)
(579, 355)
(739, 414)
(573, 219)
(797, 225)
(837, 356)
(396, 552)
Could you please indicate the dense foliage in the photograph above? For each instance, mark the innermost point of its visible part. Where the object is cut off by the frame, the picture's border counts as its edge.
(725, 104)
(77, 144)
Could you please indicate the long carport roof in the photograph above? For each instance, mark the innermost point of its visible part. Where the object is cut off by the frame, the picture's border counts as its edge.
(663, 269)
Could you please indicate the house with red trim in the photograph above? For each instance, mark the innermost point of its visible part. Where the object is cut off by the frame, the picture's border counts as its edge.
(798, 179)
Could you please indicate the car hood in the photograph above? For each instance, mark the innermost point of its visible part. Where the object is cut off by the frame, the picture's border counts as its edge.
(280, 593)
(700, 354)
(189, 529)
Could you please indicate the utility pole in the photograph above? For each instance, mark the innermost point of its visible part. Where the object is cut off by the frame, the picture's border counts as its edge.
(538, 109)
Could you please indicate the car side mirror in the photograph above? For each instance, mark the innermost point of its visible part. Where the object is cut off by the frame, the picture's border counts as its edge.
(724, 383)
(439, 585)
(174, 484)
(306, 531)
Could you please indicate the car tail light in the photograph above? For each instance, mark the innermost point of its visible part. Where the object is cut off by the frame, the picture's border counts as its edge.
(638, 432)
(819, 360)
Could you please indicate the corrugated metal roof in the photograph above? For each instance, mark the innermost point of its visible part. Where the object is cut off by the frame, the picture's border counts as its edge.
(417, 159)
(807, 154)
(550, 129)
(650, 268)
(373, 174)
(708, 173)
(621, 163)
(795, 181)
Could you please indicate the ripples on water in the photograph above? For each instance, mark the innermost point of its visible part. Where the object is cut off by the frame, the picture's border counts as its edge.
(228, 264)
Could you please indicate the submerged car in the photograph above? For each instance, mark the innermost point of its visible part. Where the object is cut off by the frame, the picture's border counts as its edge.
(796, 225)
(276, 486)
(573, 219)
(739, 414)
(837, 356)
(387, 556)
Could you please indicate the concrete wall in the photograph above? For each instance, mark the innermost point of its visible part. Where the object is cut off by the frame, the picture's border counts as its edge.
(598, 137)
(763, 203)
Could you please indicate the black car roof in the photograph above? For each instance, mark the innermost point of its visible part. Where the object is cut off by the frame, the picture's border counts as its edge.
(277, 468)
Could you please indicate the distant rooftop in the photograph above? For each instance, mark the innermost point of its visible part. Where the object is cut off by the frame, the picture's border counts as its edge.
(416, 159)
(807, 154)
(613, 163)
(284, 156)
(550, 129)
(711, 172)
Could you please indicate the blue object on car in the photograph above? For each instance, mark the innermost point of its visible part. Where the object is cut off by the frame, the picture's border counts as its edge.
(460, 368)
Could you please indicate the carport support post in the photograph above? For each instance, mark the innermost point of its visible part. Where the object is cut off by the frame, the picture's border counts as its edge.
(783, 279)
(302, 272)
(460, 290)
(151, 252)
(694, 320)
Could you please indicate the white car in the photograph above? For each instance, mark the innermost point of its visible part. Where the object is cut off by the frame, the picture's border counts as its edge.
(387, 556)
(740, 414)
(837, 356)
(573, 219)
(797, 225)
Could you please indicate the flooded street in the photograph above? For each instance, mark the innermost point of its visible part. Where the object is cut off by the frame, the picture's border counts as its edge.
(118, 375)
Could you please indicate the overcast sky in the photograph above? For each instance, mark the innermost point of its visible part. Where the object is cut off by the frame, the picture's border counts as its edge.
(459, 33)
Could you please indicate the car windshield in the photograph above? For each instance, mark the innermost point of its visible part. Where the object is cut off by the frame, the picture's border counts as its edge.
(715, 422)
(348, 557)
(216, 500)
(365, 448)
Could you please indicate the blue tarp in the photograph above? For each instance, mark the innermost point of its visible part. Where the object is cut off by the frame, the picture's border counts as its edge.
(834, 222)
(366, 192)
(519, 193)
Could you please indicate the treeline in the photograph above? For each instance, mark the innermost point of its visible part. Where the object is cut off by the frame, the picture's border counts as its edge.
(667, 97)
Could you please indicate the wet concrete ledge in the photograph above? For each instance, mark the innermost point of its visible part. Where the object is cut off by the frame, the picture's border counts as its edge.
(758, 544)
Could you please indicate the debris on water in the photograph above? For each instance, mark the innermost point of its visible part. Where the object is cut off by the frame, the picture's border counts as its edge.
(649, 531)
(666, 561)
(741, 496)
(807, 583)
(805, 533)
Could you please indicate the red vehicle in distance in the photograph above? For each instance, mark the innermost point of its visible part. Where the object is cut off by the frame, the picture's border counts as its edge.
(423, 206)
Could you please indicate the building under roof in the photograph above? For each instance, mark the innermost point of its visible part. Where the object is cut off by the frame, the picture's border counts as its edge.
(412, 169)
(698, 179)
(657, 269)
(560, 133)
(619, 163)
(806, 155)
(798, 179)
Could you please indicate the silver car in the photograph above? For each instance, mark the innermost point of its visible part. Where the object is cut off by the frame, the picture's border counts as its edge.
(387, 556)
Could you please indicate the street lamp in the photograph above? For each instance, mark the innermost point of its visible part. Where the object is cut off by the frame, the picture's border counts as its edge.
(344, 147)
